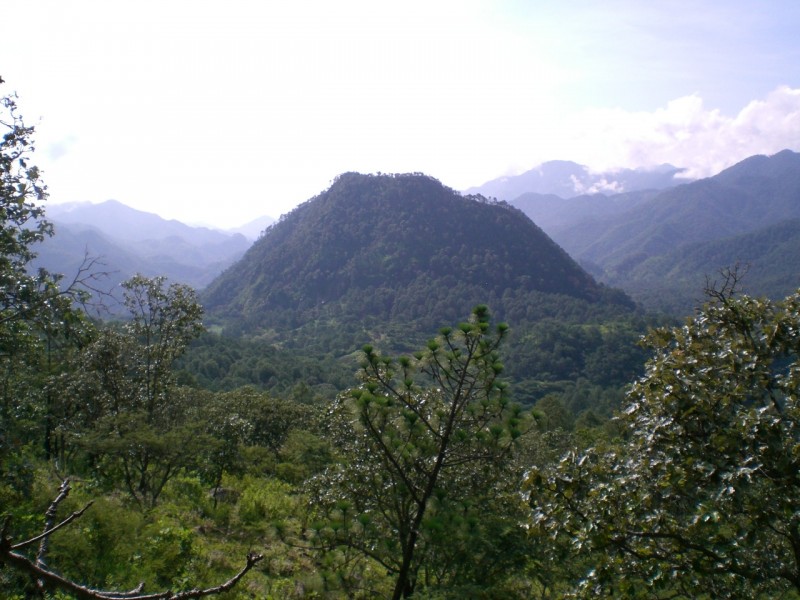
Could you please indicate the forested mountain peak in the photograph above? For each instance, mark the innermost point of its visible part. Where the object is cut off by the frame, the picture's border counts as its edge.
(661, 246)
(397, 248)
(785, 165)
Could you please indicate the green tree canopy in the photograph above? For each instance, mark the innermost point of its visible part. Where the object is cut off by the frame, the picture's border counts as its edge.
(30, 302)
(702, 499)
(36, 311)
(126, 407)
(426, 445)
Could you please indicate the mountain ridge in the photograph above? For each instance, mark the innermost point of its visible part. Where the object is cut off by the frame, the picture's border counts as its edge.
(126, 241)
(395, 248)
(567, 179)
(618, 237)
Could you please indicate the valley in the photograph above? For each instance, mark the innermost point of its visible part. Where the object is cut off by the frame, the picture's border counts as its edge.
(300, 376)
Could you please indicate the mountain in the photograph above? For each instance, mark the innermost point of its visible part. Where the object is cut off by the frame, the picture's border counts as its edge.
(555, 214)
(253, 229)
(635, 240)
(121, 222)
(388, 259)
(768, 259)
(566, 179)
(127, 241)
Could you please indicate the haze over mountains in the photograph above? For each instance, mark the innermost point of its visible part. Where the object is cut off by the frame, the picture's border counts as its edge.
(129, 241)
(566, 179)
(660, 246)
(658, 239)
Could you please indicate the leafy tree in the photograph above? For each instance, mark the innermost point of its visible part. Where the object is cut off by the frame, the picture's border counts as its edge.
(245, 424)
(163, 322)
(30, 303)
(22, 224)
(426, 443)
(37, 318)
(131, 417)
(702, 499)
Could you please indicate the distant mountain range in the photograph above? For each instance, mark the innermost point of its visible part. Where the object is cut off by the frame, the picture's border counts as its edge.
(567, 179)
(660, 246)
(128, 241)
(659, 240)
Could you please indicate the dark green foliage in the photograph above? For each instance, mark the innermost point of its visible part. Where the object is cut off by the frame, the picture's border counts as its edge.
(38, 325)
(248, 431)
(603, 353)
(427, 445)
(701, 498)
(224, 363)
(121, 404)
(660, 247)
(388, 249)
(386, 259)
(671, 281)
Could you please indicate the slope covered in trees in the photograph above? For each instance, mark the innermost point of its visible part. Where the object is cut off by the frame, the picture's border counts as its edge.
(377, 245)
(642, 242)
(673, 281)
(757, 192)
(123, 478)
(385, 259)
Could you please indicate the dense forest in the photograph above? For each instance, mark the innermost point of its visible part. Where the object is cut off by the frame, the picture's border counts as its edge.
(511, 439)
(388, 259)
(660, 245)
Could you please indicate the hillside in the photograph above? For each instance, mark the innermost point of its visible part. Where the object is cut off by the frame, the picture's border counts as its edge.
(391, 258)
(399, 237)
(755, 193)
(643, 241)
(767, 257)
(129, 241)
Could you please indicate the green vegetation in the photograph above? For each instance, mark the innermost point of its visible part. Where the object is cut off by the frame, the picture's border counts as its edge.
(386, 259)
(378, 249)
(660, 246)
(153, 459)
(700, 497)
(426, 447)
(770, 254)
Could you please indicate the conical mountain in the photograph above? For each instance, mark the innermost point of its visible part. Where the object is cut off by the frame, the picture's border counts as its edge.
(391, 251)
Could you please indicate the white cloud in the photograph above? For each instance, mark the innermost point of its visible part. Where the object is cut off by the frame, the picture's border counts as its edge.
(223, 112)
(687, 134)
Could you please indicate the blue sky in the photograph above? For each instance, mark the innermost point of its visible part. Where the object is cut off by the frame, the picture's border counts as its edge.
(219, 112)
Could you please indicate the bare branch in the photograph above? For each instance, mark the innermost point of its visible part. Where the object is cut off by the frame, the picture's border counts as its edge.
(48, 578)
(730, 284)
(49, 519)
(47, 532)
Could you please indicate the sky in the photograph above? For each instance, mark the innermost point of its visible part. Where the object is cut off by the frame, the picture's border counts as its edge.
(220, 112)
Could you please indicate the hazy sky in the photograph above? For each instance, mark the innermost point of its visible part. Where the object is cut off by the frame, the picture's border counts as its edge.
(218, 112)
